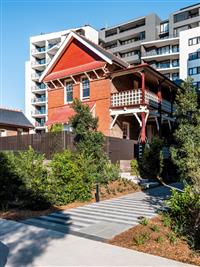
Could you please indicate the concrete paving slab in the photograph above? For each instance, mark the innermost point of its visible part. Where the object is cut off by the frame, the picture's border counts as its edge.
(105, 230)
(24, 245)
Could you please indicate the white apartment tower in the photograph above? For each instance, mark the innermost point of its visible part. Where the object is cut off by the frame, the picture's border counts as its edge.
(42, 49)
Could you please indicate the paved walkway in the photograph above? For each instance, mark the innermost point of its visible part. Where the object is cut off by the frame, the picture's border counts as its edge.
(24, 245)
(104, 220)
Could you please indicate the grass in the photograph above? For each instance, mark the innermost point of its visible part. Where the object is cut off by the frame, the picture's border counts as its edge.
(172, 238)
(141, 239)
(155, 228)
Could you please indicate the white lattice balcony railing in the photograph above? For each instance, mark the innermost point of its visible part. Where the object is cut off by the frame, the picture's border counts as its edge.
(134, 97)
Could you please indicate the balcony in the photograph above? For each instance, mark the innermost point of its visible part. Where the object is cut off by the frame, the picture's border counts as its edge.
(40, 101)
(53, 48)
(36, 76)
(38, 113)
(38, 89)
(39, 64)
(38, 50)
(39, 124)
(134, 97)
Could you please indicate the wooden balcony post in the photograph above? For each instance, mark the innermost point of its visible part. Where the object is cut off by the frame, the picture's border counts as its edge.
(143, 88)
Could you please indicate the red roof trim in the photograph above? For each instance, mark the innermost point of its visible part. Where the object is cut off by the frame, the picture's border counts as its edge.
(75, 70)
(63, 114)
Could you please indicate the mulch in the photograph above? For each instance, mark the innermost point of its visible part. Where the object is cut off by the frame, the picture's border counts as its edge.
(178, 250)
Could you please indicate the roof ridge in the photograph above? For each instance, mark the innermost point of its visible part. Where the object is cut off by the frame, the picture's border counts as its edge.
(10, 109)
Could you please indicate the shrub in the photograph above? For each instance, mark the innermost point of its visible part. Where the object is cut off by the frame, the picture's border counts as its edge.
(166, 220)
(135, 167)
(172, 238)
(151, 164)
(155, 228)
(159, 239)
(56, 128)
(73, 177)
(144, 221)
(24, 180)
(184, 211)
(141, 239)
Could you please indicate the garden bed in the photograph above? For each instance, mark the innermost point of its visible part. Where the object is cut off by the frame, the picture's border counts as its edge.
(113, 189)
(156, 237)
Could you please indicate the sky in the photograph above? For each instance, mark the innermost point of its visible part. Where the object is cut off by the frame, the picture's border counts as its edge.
(20, 19)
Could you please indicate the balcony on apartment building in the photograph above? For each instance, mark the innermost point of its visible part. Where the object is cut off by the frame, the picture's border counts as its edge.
(36, 76)
(53, 48)
(39, 101)
(169, 65)
(38, 113)
(39, 64)
(38, 52)
(39, 89)
(40, 124)
(125, 30)
(125, 44)
(161, 53)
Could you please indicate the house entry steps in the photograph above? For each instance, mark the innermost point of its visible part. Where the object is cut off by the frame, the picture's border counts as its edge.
(104, 220)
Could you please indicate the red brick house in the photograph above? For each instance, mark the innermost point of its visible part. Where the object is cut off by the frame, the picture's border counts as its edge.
(132, 102)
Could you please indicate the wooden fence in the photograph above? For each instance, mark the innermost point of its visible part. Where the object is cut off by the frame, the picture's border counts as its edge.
(49, 143)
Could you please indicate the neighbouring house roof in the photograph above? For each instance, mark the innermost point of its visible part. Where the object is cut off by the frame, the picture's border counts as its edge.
(103, 54)
(63, 114)
(15, 118)
(75, 70)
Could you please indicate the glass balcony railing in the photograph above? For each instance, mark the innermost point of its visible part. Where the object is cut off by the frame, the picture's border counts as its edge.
(39, 112)
(38, 50)
(36, 75)
(38, 62)
(39, 124)
(38, 87)
(54, 45)
(39, 99)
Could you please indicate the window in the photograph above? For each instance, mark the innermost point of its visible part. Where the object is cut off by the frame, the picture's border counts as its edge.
(2, 132)
(193, 56)
(194, 71)
(167, 75)
(175, 76)
(69, 92)
(196, 85)
(164, 27)
(194, 41)
(175, 48)
(125, 130)
(175, 63)
(85, 88)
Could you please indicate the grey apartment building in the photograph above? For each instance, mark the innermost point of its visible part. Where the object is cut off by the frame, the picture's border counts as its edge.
(157, 42)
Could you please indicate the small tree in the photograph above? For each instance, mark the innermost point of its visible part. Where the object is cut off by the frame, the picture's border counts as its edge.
(56, 128)
(186, 150)
(90, 142)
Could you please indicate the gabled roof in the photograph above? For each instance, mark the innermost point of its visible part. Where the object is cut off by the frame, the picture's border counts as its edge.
(98, 50)
(9, 117)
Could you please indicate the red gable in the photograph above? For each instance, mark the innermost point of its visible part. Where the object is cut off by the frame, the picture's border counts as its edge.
(75, 54)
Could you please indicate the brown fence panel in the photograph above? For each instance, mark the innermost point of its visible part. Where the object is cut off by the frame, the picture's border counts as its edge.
(119, 149)
(50, 143)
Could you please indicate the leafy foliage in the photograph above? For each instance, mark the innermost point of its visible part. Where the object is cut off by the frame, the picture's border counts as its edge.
(185, 214)
(135, 167)
(56, 128)
(186, 150)
(151, 164)
(73, 177)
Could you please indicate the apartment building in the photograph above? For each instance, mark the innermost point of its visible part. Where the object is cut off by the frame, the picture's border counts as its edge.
(154, 41)
(42, 50)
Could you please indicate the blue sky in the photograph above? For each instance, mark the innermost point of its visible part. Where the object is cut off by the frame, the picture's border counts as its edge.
(24, 18)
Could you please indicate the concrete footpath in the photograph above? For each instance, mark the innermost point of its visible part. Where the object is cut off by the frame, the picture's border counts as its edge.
(26, 245)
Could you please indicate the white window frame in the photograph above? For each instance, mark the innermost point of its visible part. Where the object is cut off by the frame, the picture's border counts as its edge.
(65, 93)
(128, 129)
(81, 88)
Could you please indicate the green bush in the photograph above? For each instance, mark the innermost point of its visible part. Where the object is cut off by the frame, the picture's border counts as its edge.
(184, 210)
(73, 177)
(151, 164)
(135, 167)
(24, 180)
(141, 239)
(144, 221)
